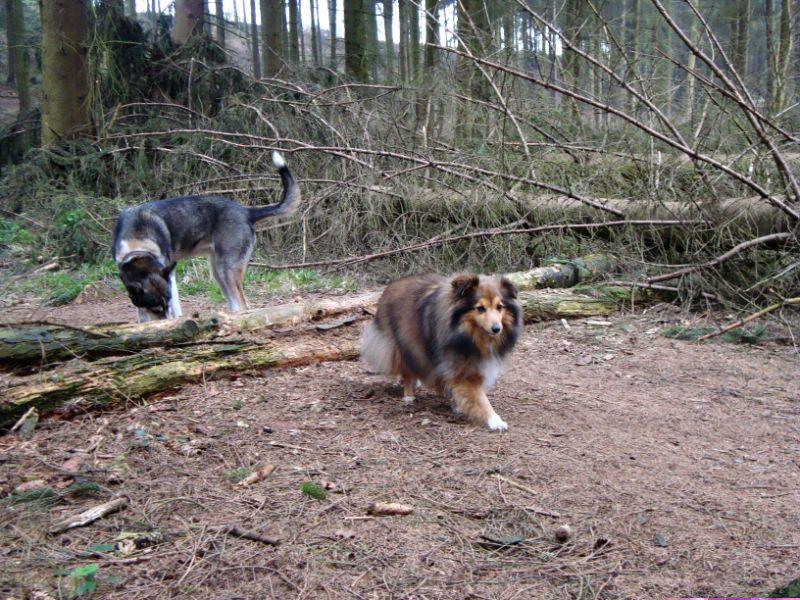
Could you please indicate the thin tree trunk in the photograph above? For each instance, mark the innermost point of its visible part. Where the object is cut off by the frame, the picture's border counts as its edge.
(294, 40)
(371, 32)
(220, 23)
(301, 30)
(235, 13)
(771, 58)
(332, 16)
(189, 20)
(354, 42)
(784, 58)
(11, 76)
(413, 27)
(635, 32)
(271, 51)
(254, 41)
(131, 8)
(402, 13)
(741, 35)
(691, 65)
(65, 86)
(314, 36)
(431, 34)
(19, 50)
(388, 30)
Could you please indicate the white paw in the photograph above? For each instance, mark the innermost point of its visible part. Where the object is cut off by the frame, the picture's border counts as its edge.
(408, 400)
(495, 423)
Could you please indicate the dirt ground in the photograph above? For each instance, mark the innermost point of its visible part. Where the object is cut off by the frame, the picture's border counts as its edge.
(675, 464)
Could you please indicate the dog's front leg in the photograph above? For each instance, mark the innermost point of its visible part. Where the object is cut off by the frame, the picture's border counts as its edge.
(174, 310)
(470, 399)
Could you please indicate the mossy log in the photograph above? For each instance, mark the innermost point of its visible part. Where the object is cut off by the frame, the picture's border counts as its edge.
(39, 344)
(83, 385)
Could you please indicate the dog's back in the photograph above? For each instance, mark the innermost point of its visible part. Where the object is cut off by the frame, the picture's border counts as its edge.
(395, 342)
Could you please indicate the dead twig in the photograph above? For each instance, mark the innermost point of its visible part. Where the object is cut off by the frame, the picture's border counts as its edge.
(749, 318)
(89, 516)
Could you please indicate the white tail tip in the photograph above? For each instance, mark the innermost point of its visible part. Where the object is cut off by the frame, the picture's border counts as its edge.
(278, 160)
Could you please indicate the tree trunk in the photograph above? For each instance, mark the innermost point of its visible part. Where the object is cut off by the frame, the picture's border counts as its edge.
(294, 33)
(254, 41)
(84, 385)
(691, 65)
(371, 31)
(771, 59)
(784, 58)
(388, 18)
(131, 8)
(220, 22)
(402, 58)
(354, 40)
(332, 15)
(431, 35)
(740, 34)
(189, 20)
(11, 76)
(314, 36)
(413, 28)
(65, 87)
(19, 50)
(635, 15)
(271, 50)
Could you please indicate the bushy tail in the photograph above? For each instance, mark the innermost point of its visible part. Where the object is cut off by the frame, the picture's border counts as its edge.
(377, 350)
(291, 194)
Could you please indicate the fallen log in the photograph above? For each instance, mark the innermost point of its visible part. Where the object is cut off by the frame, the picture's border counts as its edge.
(81, 385)
(43, 343)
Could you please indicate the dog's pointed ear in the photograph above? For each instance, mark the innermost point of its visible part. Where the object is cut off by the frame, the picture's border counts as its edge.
(464, 284)
(508, 287)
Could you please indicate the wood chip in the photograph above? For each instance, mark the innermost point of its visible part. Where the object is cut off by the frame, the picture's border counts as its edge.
(89, 516)
(257, 475)
(389, 508)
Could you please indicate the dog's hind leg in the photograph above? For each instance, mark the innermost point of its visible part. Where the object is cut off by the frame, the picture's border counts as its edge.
(145, 316)
(174, 311)
(226, 284)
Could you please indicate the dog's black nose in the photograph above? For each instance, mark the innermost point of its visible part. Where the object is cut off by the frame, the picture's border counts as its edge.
(496, 328)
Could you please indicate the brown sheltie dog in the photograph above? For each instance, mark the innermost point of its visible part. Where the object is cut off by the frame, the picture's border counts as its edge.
(450, 334)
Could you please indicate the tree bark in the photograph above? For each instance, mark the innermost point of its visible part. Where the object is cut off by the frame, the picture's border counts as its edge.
(388, 18)
(784, 58)
(314, 36)
(11, 76)
(402, 46)
(294, 32)
(771, 58)
(19, 50)
(256, 57)
(431, 34)
(413, 28)
(189, 20)
(271, 50)
(332, 16)
(65, 87)
(354, 40)
(220, 22)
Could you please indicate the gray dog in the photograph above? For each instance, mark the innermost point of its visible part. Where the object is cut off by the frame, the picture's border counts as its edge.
(151, 238)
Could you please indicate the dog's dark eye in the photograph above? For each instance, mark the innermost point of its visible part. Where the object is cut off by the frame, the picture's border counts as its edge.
(500, 307)
(481, 309)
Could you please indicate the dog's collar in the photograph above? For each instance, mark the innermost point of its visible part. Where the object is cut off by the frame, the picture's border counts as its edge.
(134, 254)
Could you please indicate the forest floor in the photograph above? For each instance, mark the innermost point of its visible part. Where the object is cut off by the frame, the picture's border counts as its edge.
(675, 464)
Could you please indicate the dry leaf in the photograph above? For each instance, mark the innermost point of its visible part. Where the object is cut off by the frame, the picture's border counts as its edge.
(35, 484)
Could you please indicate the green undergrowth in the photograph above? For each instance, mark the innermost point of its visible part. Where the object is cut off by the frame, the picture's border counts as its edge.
(740, 335)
